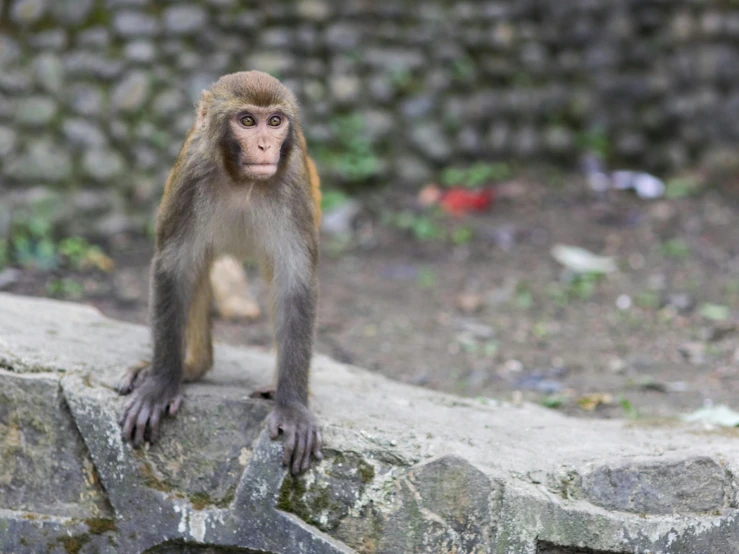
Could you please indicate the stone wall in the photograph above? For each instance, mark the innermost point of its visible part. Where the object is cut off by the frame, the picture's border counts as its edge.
(96, 95)
(406, 470)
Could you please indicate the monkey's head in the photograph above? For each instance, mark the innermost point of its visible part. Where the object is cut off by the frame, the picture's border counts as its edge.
(252, 117)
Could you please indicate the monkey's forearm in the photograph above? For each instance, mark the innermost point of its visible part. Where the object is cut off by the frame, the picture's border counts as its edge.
(169, 310)
(295, 314)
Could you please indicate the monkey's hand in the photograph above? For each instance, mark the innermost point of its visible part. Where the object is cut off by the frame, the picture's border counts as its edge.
(152, 399)
(302, 435)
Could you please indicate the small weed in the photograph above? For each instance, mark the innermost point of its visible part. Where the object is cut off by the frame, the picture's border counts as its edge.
(4, 257)
(426, 278)
(31, 244)
(540, 330)
(461, 235)
(558, 294)
(595, 140)
(489, 349)
(402, 80)
(583, 285)
(80, 255)
(731, 287)
(676, 248)
(553, 401)
(463, 68)
(351, 155)
(423, 227)
(628, 408)
(647, 300)
(523, 298)
(476, 175)
(65, 288)
(332, 199)
(681, 187)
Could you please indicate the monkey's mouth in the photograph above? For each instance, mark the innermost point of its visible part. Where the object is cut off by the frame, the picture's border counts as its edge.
(266, 169)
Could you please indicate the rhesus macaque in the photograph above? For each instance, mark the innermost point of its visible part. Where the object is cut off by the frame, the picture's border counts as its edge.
(242, 185)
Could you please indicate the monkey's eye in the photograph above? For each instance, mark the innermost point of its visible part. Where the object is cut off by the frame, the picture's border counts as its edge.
(248, 121)
(275, 121)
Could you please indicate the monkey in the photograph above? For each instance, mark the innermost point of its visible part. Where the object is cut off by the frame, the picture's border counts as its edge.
(242, 185)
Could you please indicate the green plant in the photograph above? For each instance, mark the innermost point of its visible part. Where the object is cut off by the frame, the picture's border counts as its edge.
(80, 254)
(681, 187)
(65, 288)
(401, 79)
(476, 175)
(583, 285)
(647, 300)
(351, 155)
(461, 235)
(4, 256)
(628, 408)
(523, 297)
(332, 199)
(422, 226)
(676, 248)
(596, 140)
(553, 401)
(463, 68)
(31, 244)
(426, 278)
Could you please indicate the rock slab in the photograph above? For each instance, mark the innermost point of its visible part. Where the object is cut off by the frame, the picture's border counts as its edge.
(406, 469)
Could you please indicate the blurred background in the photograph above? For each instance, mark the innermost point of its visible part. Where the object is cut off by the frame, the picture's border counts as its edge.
(522, 199)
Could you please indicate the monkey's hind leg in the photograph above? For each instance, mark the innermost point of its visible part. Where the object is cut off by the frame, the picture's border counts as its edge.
(198, 336)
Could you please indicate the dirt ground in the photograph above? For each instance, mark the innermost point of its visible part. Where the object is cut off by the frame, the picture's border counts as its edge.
(496, 317)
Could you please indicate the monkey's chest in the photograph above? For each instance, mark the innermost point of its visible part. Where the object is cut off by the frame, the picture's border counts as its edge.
(235, 230)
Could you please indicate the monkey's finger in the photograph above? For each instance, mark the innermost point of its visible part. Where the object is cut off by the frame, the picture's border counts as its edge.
(126, 408)
(317, 445)
(141, 420)
(174, 405)
(299, 453)
(154, 426)
(308, 450)
(289, 444)
(130, 421)
(274, 428)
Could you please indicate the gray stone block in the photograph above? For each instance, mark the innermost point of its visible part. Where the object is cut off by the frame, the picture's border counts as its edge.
(443, 474)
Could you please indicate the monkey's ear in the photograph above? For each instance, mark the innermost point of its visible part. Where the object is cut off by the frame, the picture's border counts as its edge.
(203, 106)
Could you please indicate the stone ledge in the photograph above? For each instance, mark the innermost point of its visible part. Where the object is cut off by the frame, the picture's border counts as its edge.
(407, 469)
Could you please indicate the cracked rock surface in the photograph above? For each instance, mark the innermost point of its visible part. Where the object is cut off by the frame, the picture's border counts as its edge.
(406, 469)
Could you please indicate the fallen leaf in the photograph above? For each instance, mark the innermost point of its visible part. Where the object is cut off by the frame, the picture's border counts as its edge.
(580, 260)
(590, 402)
(469, 302)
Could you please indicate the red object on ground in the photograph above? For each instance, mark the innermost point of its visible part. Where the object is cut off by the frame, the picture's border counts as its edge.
(458, 201)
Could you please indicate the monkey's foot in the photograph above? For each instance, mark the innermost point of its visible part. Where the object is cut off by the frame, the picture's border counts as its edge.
(267, 392)
(152, 400)
(131, 377)
(302, 435)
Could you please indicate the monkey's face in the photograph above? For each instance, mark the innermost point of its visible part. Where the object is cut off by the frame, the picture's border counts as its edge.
(258, 134)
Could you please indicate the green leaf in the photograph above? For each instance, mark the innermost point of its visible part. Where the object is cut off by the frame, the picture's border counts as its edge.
(715, 312)
(332, 199)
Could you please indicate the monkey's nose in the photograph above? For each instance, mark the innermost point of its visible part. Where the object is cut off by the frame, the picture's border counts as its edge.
(263, 147)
